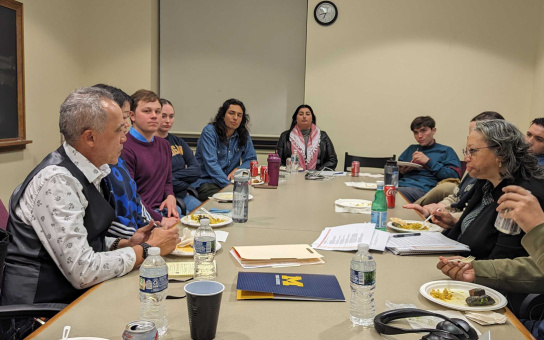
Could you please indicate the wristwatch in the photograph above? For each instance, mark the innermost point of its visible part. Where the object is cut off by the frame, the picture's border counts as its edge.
(146, 248)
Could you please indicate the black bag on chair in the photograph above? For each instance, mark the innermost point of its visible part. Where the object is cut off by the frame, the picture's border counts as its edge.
(5, 238)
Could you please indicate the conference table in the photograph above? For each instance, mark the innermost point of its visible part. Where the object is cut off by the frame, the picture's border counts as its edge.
(296, 212)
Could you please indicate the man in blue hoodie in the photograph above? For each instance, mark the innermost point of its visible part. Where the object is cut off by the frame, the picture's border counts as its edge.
(437, 161)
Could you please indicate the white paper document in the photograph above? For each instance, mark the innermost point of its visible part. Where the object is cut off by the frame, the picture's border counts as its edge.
(347, 237)
(426, 243)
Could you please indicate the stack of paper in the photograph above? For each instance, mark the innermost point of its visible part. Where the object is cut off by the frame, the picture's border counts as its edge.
(180, 269)
(288, 286)
(287, 255)
(426, 243)
(347, 237)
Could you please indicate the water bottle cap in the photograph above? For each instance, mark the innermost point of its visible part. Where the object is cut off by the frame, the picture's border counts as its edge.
(379, 183)
(241, 175)
(204, 221)
(154, 251)
(363, 247)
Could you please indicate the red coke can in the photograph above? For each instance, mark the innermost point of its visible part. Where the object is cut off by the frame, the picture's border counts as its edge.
(254, 168)
(355, 166)
(264, 173)
(390, 193)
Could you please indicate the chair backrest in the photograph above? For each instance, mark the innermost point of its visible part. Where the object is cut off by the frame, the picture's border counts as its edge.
(366, 162)
(3, 216)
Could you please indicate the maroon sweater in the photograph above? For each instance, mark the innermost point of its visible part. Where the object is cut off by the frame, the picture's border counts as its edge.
(150, 165)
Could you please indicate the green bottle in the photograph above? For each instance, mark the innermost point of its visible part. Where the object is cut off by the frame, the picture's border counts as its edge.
(379, 208)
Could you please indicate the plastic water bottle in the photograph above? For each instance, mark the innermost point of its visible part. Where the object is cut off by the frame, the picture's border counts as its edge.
(204, 251)
(391, 172)
(378, 209)
(240, 196)
(153, 290)
(363, 281)
(294, 161)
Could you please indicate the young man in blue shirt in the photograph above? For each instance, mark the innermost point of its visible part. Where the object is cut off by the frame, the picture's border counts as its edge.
(439, 161)
(223, 147)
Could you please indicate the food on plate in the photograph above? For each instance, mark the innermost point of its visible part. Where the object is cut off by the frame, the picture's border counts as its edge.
(478, 298)
(400, 223)
(213, 220)
(476, 292)
(445, 295)
(459, 297)
(255, 181)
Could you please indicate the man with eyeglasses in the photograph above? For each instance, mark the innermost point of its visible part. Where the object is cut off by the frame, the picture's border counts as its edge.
(438, 161)
(535, 138)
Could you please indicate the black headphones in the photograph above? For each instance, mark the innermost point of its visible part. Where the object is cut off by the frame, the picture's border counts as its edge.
(455, 329)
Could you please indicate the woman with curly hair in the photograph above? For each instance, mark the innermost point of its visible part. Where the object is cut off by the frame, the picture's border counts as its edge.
(497, 154)
(224, 146)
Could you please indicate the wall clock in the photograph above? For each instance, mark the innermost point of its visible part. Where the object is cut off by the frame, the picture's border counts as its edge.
(325, 13)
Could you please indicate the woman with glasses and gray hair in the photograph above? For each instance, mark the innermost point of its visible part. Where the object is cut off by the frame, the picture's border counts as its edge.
(497, 155)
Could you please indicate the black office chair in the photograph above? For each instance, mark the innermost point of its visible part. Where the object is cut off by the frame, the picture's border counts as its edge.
(532, 307)
(366, 162)
(38, 310)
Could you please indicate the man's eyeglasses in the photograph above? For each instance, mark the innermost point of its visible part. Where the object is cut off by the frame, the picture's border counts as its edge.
(470, 152)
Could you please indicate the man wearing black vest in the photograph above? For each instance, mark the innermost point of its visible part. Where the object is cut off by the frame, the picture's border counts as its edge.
(60, 214)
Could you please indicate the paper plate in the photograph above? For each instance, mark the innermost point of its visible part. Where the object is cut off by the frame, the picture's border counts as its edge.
(227, 196)
(432, 227)
(409, 164)
(188, 250)
(222, 220)
(366, 185)
(353, 203)
(461, 288)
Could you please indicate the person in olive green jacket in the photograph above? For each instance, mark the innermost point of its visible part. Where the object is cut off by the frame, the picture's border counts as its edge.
(519, 275)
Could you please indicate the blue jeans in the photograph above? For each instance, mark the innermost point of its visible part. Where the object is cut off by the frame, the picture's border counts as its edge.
(412, 194)
(164, 211)
(191, 203)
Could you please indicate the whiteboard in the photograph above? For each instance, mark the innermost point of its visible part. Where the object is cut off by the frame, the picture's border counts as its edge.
(251, 50)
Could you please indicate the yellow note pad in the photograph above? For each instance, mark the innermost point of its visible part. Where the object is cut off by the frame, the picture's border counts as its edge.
(179, 269)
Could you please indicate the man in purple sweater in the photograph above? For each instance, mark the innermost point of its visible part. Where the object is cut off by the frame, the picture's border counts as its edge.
(148, 158)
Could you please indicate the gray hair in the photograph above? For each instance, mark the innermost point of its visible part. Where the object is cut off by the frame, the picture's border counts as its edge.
(83, 110)
(508, 143)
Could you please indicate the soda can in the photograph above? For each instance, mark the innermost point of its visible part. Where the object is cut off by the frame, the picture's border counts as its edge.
(264, 173)
(254, 168)
(355, 166)
(390, 193)
(140, 330)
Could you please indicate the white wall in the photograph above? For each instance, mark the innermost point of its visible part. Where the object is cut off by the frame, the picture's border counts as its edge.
(368, 75)
(382, 63)
(74, 43)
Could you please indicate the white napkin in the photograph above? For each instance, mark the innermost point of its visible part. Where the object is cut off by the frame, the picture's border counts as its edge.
(486, 318)
(368, 174)
(340, 209)
(431, 321)
(186, 237)
(364, 185)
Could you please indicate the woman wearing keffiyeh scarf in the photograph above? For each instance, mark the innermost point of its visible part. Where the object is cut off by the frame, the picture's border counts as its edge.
(313, 146)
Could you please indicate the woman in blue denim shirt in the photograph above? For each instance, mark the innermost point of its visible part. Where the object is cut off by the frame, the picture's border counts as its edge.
(223, 147)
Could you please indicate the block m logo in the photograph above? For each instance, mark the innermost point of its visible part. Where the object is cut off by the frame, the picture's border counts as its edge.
(292, 281)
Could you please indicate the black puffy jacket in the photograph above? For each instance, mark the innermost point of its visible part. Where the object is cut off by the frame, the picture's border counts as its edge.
(326, 156)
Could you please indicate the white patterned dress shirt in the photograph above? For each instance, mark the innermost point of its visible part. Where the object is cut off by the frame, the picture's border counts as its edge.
(54, 205)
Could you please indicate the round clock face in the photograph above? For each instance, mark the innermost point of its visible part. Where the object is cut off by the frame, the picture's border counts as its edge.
(325, 13)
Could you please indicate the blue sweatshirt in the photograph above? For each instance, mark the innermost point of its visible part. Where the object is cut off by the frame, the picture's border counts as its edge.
(443, 163)
(185, 168)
